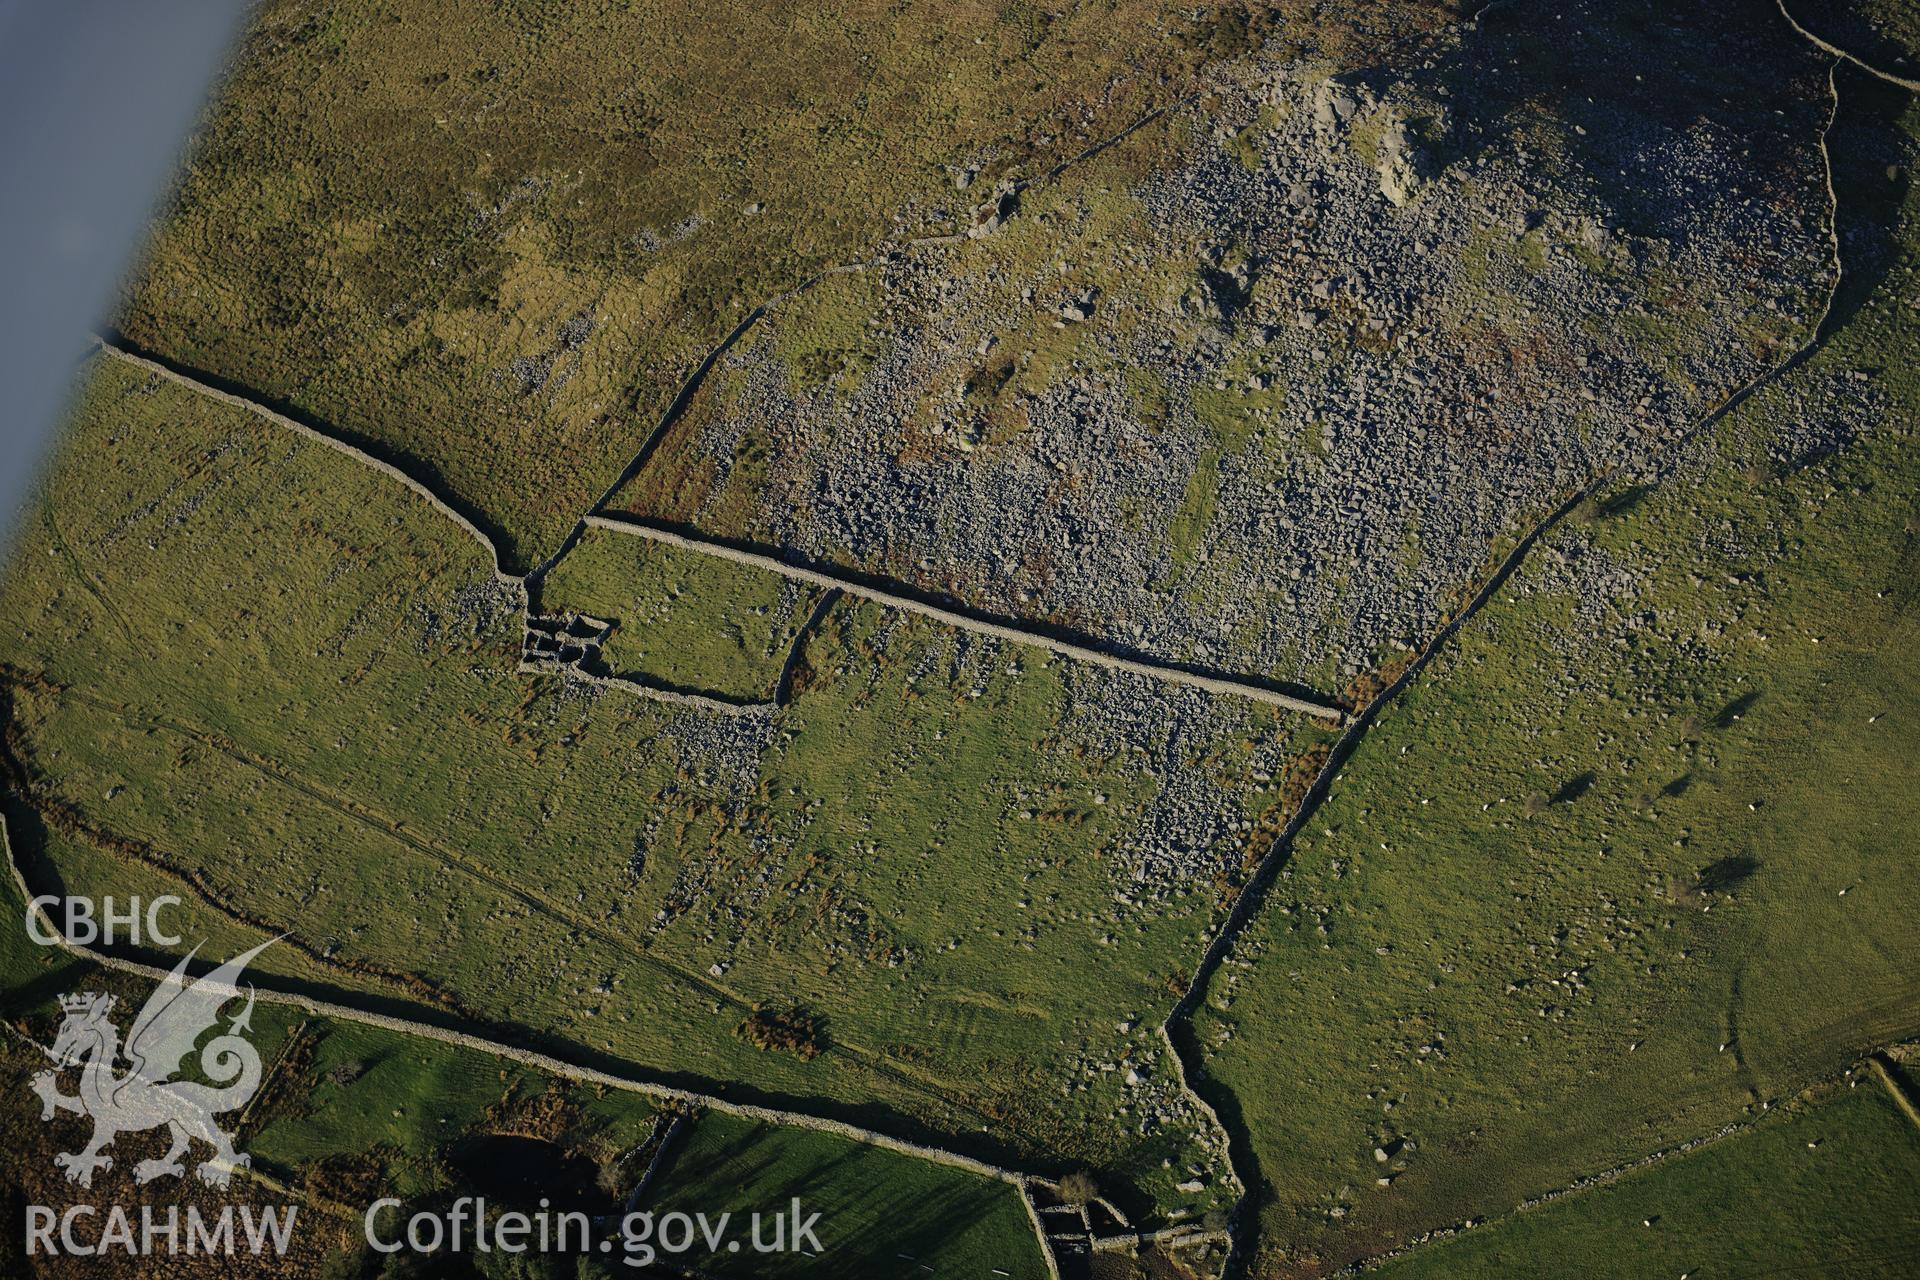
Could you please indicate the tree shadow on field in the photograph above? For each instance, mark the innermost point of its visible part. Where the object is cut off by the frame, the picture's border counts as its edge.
(1573, 788)
(1625, 500)
(1726, 874)
(1733, 711)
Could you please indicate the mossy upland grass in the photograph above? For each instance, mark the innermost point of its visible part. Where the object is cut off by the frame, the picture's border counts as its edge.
(1628, 861)
(264, 676)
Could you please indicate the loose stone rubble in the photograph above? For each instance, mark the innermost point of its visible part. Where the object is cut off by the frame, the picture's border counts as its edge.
(1309, 363)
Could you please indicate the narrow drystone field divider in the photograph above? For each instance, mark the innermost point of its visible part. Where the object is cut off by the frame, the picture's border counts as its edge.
(1904, 82)
(1903, 1098)
(892, 594)
(691, 384)
(674, 408)
(783, 687)
(673, 697)
(258, 989)
(1252, 896)
(521, 587)
(161, 369)
(1585, 1183)
(551, 646)
(967, 621)
(1875, 1064)
(666, 1131)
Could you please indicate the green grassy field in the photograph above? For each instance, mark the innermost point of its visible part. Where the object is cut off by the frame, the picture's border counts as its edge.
(880, 1215)
(682, 620)
(348, 1113)
(924, 855)
(1633, 856)
(1824, 1188)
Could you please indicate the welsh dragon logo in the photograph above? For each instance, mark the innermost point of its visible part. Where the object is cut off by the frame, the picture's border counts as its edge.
(145, 1095)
